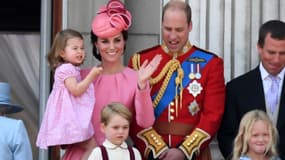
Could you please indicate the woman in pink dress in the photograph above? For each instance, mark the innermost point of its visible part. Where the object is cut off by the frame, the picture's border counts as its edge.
(67, 118)
(116, 83)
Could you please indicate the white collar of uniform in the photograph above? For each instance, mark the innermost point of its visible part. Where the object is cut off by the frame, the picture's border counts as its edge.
(265, 74)
(110, 145)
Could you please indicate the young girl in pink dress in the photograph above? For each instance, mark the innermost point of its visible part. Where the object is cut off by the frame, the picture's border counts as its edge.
(67, 118)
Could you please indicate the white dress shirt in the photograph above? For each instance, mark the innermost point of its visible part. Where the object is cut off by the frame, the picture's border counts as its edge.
(266, 81)
(114, 152)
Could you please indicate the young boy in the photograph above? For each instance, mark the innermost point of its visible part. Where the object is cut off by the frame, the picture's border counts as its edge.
(115, 124)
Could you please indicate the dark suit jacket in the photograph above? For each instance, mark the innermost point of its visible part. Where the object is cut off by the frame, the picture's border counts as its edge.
(243, 94)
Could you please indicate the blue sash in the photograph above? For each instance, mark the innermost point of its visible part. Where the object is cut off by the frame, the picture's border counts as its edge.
(169, 93)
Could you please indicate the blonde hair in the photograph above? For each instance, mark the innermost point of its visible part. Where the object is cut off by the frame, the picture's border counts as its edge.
(58, 46)
(245, 131)
(115, 108)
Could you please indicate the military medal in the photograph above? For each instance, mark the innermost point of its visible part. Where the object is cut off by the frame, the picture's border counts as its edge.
(193, 108)
(192, 74)
(196, 61)
(194, 88)
(198, 74)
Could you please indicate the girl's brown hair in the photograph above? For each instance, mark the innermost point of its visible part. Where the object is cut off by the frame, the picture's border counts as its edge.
(58, 46)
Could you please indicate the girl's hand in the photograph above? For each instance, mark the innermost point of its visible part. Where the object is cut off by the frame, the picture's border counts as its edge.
(146, 70)
(78, 88)
(95, 71)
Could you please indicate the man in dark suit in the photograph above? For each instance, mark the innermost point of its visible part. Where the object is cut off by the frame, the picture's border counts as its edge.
(249, 91)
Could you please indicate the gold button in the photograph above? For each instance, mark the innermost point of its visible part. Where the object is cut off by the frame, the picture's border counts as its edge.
(171, 117)
(172, 110)
(172, 103)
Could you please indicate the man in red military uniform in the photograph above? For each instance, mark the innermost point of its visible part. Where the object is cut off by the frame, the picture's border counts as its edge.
(188, 92)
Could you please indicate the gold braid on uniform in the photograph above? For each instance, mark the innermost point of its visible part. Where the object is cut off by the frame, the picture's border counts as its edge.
(191, 145)
(136, 61)
(170, 67)
(168, 70)
(178, 81)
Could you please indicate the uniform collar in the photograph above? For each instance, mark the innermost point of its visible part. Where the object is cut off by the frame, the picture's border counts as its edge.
(110, 145)
(185, 49)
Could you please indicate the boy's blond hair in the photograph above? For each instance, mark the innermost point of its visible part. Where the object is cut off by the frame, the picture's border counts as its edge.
(115, 108)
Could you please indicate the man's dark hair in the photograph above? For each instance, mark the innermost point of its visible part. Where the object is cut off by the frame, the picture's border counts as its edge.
(275, 28)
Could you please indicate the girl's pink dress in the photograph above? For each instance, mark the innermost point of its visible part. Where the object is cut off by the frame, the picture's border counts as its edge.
(67, 119)
(120, 87)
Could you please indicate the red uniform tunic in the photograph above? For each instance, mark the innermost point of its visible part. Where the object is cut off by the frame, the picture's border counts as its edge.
(196, 113)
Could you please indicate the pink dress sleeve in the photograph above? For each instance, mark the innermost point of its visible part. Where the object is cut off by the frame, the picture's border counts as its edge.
(68, 70)
(144, 108)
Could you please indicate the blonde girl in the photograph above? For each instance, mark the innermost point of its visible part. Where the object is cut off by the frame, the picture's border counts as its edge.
(256, 139)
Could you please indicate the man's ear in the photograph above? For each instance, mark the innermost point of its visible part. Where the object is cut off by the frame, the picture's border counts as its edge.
(259, 49)
(190, 25)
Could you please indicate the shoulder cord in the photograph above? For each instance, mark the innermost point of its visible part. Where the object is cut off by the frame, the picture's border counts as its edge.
(167, 70)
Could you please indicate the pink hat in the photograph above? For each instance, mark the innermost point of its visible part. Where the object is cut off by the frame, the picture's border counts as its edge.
(111, 19)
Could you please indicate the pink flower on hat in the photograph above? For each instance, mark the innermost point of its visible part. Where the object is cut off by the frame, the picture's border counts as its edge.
(111, 19)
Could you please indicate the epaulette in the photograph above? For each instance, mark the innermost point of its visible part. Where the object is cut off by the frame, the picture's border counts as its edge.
(206, 51)
(136, 56)
(148, 49)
